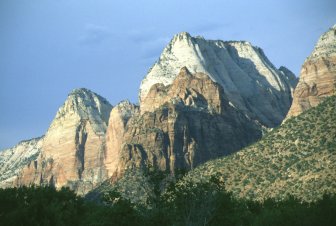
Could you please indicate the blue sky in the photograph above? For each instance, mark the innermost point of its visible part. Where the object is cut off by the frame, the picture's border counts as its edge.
(49, 47)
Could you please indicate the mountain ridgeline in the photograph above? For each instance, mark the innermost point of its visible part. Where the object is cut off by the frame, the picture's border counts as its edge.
(202, 100)
(249, 80)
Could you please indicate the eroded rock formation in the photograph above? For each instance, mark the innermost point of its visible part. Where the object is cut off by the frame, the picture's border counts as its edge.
(73, 148)
(180, 126)
(249, 79)
(318, 75)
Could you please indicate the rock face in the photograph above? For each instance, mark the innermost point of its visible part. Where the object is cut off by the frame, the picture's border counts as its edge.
(14, 159)
(318, 75)
(119, 118)
(180, 126)
(250, 81)
(73, 148)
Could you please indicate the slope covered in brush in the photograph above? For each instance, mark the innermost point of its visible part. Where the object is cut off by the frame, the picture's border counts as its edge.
(298, 158)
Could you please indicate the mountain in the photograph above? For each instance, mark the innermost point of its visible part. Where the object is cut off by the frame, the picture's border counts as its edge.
(249, 79)
(73, 149)
(318, 75)
(298, 158)
(14, 159)
(178, 126)
(201, 100)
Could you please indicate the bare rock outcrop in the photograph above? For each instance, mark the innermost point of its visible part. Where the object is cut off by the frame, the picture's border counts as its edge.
(318, 75)
(250, 81)
(181, 126)
(73, 148)
(13, 160)
(119, 118)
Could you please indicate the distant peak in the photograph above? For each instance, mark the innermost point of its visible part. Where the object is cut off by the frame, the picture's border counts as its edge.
(80, 91)
(124, 103)
(87, 96)
(182, 36)
(325, 46)
(126, 108)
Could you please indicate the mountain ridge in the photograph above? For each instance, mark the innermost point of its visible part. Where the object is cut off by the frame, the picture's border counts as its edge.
(249, 79)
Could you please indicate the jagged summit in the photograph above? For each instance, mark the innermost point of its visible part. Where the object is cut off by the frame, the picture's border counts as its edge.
(72, 151)
(317, 76)
(290, 76)
(86, 105)
(249, 79)
(325, 46)
(125, 109)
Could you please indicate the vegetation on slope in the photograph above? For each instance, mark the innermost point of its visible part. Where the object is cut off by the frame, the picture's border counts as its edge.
(298, 158)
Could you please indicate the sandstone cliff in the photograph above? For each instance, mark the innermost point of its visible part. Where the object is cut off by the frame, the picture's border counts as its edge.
(180, 126)
(318, 75)
(249, 79)
(116, 130)
(73, 148)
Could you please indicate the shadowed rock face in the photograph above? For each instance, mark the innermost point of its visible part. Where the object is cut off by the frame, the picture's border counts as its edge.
(180, 126)
(74, 146)
(250, 81)
(318, 75)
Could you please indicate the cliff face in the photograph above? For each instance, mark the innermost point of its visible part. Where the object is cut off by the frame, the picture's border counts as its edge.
(14, 159)
(180, 126)
(249, 79)
(318, 75)
(73, 148)
(119, 117)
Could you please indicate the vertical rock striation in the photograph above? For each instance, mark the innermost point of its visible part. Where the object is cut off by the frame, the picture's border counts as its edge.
(318, 75)
(179, 126)
(73, 148)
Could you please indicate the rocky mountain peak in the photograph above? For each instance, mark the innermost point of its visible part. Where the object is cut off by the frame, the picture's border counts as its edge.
(250, 80)
(125, 110)
(72, 151)
(317, 76)
(325, 46)
(87, 105)
(182, 36)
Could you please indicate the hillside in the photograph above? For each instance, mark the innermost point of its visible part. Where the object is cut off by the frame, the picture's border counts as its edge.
(298, 158)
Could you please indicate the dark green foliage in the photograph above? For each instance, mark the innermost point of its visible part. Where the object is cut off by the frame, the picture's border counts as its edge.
(46, 206)
(187, 204)
(39, 206)
(208, 204)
